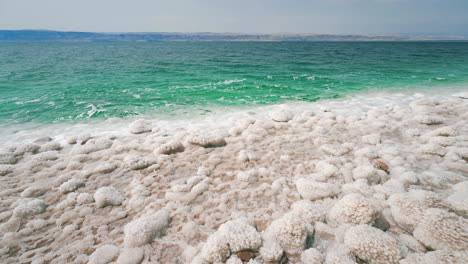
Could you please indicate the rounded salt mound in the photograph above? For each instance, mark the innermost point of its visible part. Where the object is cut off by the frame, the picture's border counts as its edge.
(352, 209)
(372, 245)
(440, 230)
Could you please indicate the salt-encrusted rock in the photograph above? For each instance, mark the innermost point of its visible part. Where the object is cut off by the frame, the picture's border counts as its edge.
(312, 256)
(93, 145)
(429, 120)
(372, 139)
(104, 254)
(130, 256)
(445, 131)
(37, 224)
(406, 211)
(410, 243)
(29, 208)
(325, 171)
(7, 158)
(215, 250)
(170, 147)
(207, 140)
(271, 250)
(248, 176)
(146, 228)
(339, 254)
(240, 235)
(24, 148)
(71, 185)
(458, 201)
(84, 198)
(140, 126)
(309, 211)
(234, 260)
(313, 190)
(371, 174)
(437, 257)
(291, 232)
(138, 163)
(108, 196)
(106, 167)
(439, 229)
(282, 115)
(50, 146)
(335, 150)
(247, 156)
(428, 199)
(432, 149)
(5, 169)
(372, 245)
(352, 209)
(35, 191)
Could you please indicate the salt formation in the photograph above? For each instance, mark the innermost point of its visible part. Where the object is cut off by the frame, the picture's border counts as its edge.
(352, 209)
(440, 229)
(146, 228)
(378, 179)
(108, 196)
(282, 115)
(140, 126)
(372, 245)
(312, 190)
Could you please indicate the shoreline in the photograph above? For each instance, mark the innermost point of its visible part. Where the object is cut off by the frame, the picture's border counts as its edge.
(270, 182)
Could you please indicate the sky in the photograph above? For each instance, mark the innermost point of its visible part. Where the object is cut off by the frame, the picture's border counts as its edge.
(239, 16)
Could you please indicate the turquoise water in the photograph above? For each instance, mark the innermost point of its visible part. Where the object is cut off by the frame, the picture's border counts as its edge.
(62, 82)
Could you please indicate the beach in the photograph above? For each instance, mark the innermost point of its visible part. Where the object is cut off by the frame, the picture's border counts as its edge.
(369, 178)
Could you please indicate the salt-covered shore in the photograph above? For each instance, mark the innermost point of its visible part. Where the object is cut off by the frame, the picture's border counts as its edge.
(370, 179)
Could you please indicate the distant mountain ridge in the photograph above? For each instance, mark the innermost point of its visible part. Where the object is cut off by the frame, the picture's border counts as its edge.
(72, 36)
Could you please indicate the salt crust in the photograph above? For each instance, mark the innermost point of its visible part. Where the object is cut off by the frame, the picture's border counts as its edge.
(277, 188)
(146, 228)
(108, 196)
(372, 245)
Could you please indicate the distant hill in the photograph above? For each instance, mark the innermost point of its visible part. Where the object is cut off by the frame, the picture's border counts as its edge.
(70, 36)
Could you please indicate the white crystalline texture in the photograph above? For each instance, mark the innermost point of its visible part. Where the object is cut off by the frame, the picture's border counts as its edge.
(104, 254)
(106, 168)
(312, 256)
(439, 229)
(371, 174)
(7, 158)
(24, 148)
(108, 196)
(325, 170)
(241, 235)
(313, 190)
(93, 146)
(35, 191)
(335, 150)
(437, 257)
(271, 250)
(406, 211)
(372, 245)
(146, 228)
(130, 256)
(248, 176)
(290, 231)
(84, 198)
(5, 169)
(171, 147)
(71, 185)
(445, 131)
(29, 207)
(207, 139)
(215, 250)
(352, 209)
(429, 120)
(138, 163)
(432, 149)
(247, 155)
(282, 115)
(140, 126)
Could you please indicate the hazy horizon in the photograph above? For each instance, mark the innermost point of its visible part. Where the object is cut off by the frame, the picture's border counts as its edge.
(338, 17)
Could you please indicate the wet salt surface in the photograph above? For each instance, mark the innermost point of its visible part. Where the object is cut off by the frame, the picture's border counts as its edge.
(374, 179)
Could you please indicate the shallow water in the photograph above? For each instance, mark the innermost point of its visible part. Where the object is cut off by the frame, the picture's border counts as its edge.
(63, 82)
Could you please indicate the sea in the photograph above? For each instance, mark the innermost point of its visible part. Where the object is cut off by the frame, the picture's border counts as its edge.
(45, 83)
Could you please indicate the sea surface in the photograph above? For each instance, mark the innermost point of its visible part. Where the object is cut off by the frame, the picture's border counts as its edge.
(76, 82)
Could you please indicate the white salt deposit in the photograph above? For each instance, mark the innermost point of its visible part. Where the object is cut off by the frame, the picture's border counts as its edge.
(367, 179)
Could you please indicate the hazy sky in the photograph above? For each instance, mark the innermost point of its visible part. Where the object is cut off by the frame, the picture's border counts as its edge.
(250, 16)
